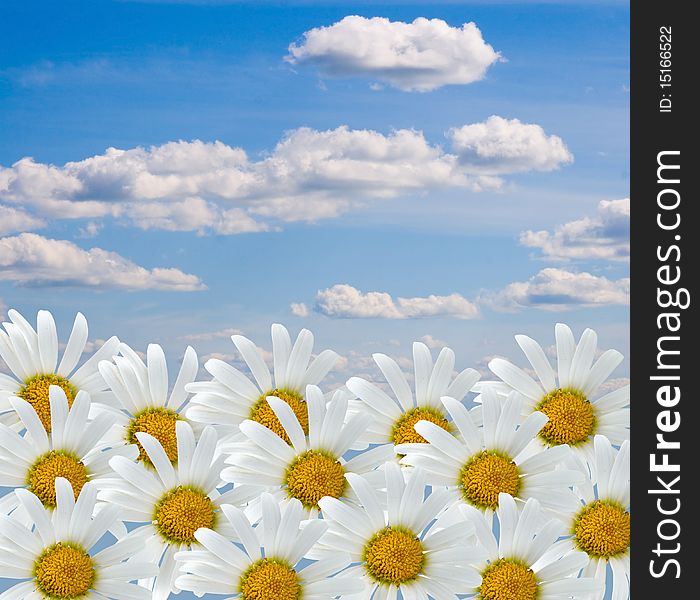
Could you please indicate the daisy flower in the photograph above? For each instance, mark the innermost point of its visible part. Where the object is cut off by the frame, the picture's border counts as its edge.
(35, 459)
(481, 463)
(142, 392)
(172, 501)
(600, 524)
(515, 567)
(56, 556)
(266, 564)
(567, 397)
(310, 466)
(32, 356)
(231, 397)
(390, 538)
(393, 418)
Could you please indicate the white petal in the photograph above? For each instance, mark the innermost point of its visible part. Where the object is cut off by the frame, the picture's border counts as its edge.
(440, 377)
(583, 358)
(471, 435)
(186, 374)
(159, 458)
(232, 378)
(566, 346)
(516, 378)
(89, 367)
(245, 532)
(423, 365)
(299, 359)
(601, 370)
(250, 353)
(462, 384)
(281, 348)
(534, 353)
(320, 366)
(48, 341)
(289, 422)
(396, 380)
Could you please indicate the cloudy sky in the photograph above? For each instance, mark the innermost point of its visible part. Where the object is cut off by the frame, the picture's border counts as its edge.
(453, 172)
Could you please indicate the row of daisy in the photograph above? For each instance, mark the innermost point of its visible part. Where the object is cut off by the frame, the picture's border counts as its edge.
(163, 460)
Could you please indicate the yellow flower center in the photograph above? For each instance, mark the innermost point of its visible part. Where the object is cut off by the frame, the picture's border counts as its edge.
(42, 475)
(182, 511)
(486, 475)
(508, 580)
(36, 391)
(403, 431)
(394, 555)
(313, 475)
(263, 413)
(269, 579)
(160, 423)
(602, 529)
(571, 417)
(64, 571)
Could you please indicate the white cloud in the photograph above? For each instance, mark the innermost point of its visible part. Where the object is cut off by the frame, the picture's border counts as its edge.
(211, 335)
(13, 220)
(30, 259)
(433, 342)
(419, 56)
(214, 188)
(603, 236)
(499, 146)
(299, 309)
(90, 230)
(345, 301)
(558, 290)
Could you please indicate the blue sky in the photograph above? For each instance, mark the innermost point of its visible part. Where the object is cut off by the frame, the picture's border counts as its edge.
(77, 78)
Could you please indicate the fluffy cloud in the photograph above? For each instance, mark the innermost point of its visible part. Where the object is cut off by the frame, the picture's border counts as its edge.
(345, 301)
(558, 290)
(419, 56)
(30, 259)
(433, 342)
(215, 188)
(13, 220)
(604, 236)
(499, 146)
(299, 309)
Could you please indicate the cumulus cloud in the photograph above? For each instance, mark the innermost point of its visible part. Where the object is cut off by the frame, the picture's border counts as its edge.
(558, 290)
(206, 187)
(13, 220)
(433, 342)
(32, 260)
(345, 301)
(604, 236)
(299, 309)
(499, 146)
(419, 56)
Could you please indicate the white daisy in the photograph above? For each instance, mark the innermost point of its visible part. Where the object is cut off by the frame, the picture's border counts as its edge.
(142, 392)
(54, 556)
(231, 397)
(515, 568)
(393, 418)
(480, 463)
(172, 501)
(566, 397)
(35, 459)
(311, 466)
(392, 540)
(600, 524)
(32, 356)
(266, 564)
